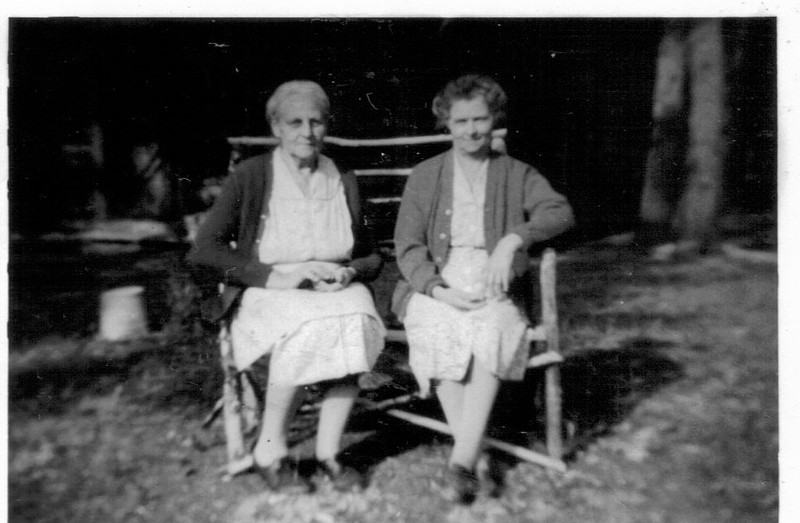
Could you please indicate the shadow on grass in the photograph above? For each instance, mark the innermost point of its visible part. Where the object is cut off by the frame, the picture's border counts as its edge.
(155, 370)
(600, 388)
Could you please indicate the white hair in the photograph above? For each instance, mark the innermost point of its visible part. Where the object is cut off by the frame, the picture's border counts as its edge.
(297, 88)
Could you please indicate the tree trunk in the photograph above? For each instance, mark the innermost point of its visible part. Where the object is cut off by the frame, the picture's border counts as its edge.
(685, 164)
(665, 160)
(706, 153)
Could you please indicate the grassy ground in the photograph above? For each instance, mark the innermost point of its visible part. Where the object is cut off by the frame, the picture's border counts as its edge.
(670, 402)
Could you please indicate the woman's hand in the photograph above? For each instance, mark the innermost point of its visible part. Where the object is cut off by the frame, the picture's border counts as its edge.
(293, 279)
(458, 298)
(498, 268)
(342, 276)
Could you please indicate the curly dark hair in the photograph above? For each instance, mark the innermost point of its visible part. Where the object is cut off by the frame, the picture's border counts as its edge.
(468, 87)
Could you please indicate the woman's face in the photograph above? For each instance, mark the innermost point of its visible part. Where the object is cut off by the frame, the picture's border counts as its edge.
(300, 127)
(470, 124)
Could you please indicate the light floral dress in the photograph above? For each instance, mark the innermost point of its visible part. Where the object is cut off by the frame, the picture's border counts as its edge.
(311, 336)
(442, 339)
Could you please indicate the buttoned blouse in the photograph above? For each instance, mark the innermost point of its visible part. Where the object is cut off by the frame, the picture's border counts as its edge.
(469, 196)
(300, 227)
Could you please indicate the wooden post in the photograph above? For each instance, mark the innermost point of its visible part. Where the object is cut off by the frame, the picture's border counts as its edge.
(547, 281)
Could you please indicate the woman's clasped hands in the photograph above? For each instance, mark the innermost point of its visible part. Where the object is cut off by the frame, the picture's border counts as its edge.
(319, 276)
(497, 277)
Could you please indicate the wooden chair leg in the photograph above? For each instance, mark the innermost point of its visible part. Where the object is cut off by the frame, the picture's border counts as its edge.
(547, 281)
(251, 400)
(553, 406)
(231, 412)
(239, 459)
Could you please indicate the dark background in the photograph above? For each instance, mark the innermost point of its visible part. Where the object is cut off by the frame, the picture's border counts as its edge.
(580, 95)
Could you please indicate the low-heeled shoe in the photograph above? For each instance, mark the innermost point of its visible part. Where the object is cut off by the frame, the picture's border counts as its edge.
(342, 477)
(283, 476)
(461, 484)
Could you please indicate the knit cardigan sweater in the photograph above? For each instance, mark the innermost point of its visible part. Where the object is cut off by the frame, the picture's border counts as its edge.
(518, 200)
(227, 242)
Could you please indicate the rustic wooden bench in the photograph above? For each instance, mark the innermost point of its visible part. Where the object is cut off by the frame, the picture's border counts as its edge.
(240, 403)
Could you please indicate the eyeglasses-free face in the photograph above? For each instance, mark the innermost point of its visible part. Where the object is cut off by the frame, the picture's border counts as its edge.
(300, 127)
(470, 124)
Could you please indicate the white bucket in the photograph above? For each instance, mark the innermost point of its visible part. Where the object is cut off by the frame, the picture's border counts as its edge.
(122, 313)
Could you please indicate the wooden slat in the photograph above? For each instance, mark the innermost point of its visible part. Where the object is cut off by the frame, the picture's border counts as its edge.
(396, 336)
(383, 172)
(388, 199)
(537, 333)
(380, 142)
(545, 359)
(514, 450)
(238, 466)
(356, 142)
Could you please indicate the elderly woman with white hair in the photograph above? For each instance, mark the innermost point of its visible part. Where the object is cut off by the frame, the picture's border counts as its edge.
(287, 239)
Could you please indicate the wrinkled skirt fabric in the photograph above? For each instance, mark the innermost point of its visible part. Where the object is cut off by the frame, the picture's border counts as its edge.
(443, 340)
(310, 336)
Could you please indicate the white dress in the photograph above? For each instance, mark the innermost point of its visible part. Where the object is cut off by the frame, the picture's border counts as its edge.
(442, 339)
(311, 336)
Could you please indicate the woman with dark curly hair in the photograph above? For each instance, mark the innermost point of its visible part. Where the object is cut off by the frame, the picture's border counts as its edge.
(467, 220)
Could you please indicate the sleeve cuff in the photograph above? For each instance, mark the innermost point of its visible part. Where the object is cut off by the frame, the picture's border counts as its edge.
(435, 282)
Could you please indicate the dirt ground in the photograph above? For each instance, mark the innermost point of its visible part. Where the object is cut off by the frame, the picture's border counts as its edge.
(670, 402)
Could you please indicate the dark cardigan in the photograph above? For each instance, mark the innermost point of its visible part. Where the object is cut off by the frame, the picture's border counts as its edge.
(227, 240)
(518, 200)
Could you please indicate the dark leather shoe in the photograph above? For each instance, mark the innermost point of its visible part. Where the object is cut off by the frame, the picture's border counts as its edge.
(283, 476)
(495, 478)
(343, 478)
(461, 484)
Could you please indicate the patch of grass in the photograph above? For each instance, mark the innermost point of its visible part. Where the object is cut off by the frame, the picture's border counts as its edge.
(670, 401)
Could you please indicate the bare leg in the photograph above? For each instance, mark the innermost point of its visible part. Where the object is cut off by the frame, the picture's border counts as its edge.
(333, 415)
(480, 391)
(280, 406)
(451, 398)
